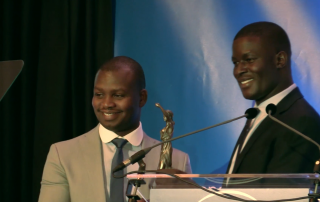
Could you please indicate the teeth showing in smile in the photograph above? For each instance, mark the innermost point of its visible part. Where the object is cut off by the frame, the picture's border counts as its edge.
(108, 114)
(246, 81)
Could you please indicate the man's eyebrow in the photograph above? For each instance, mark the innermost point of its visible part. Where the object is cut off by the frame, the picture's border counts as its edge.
(115, 89)
(97, 88)
(246, 54)
(119, 88)
(243, 55)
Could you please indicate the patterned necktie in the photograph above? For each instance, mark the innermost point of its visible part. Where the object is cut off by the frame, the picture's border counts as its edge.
(117, 185)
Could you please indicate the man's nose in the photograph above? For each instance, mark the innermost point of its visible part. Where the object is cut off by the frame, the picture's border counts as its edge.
(240, 68)
(108, 102)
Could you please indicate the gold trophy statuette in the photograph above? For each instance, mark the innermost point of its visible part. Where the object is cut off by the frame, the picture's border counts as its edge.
(166, 134)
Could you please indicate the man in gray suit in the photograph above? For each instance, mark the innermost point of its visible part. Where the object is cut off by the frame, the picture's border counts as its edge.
(79, 170)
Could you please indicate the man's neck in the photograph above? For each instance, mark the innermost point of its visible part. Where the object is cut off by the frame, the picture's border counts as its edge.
(274, 92)
(134, 137)
(275, 99)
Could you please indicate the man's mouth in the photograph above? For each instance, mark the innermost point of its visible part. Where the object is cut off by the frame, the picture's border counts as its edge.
(246, 81)
(110, 114)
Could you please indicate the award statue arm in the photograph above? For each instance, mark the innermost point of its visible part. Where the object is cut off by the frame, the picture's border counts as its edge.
(54, 184)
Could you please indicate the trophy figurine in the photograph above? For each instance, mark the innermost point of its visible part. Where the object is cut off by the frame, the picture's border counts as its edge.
(166, 134)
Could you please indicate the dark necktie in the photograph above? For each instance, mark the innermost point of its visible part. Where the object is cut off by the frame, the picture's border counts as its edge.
(117, 185)
(243, 135)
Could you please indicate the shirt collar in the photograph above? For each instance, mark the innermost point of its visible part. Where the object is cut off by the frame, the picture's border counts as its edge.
(135, 137)
(276, 98)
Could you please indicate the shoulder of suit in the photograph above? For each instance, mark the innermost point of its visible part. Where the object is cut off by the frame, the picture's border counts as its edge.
(295, 106)
(93, 133)
(301, 109)
(149, 139)
(306, 108)
(178, 152)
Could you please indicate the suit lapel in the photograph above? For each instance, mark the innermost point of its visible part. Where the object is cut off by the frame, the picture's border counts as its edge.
(91, 150)
(282, 106)
(152, 158)
(256, 134)
(288, 101)
(235, 149)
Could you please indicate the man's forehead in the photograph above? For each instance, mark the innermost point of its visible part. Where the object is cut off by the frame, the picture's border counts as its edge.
(249, 38)
(258, 41)
(120, 78)
(116, 65)
(116, 68)
(116, 73)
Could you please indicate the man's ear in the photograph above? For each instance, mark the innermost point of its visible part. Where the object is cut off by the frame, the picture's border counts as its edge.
(281, 59)
(143, 97)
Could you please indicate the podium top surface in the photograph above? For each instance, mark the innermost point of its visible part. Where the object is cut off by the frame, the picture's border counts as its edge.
(255, 175)
(274, 180)
(9, 70)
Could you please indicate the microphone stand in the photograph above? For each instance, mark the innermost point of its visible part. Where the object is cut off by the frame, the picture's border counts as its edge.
(315, 193)
(249, 114)
(271, 109)
(136, 183)
(138, 156)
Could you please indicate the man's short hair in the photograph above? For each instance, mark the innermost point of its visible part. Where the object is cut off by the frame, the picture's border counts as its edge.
(271, 31)
(119, 62)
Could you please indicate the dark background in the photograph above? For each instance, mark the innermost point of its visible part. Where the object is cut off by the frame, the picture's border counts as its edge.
(62, 43)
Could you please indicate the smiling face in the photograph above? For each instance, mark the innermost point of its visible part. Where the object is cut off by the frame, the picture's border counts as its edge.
(255, 68)
(117, 101)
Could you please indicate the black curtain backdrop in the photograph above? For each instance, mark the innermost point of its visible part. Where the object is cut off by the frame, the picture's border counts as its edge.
(62, 42)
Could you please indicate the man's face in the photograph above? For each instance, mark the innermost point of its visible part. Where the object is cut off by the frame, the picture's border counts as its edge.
(117, 101)
(255, 68)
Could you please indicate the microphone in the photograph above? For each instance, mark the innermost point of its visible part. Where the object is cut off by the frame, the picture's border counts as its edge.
(250, 113)
(271, 109)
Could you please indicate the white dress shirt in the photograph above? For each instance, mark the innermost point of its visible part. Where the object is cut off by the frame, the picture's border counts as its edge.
(259, 118)
(134, 144)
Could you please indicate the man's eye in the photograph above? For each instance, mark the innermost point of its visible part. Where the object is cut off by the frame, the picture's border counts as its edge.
(98, 94)
(250, 60)
(235, 62)
(118, 95)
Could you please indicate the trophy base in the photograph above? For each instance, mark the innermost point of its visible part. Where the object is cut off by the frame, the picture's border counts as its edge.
(173, 183)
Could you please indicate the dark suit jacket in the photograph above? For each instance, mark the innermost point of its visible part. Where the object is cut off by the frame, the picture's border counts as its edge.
(272, 148)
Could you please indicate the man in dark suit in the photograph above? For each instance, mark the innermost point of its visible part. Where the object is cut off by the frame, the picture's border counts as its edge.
(261, 57)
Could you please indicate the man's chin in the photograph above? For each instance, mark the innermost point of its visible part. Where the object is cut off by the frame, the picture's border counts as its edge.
(248, 96)
(111, 127)
(116, 129)
(120, 128)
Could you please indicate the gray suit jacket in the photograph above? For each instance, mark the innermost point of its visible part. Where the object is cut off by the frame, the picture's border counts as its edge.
(74, 169)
